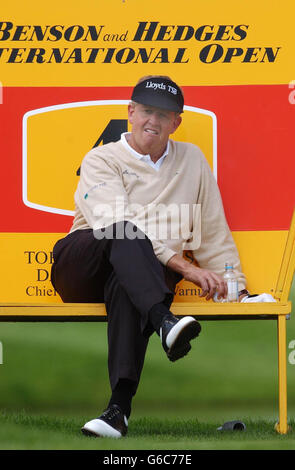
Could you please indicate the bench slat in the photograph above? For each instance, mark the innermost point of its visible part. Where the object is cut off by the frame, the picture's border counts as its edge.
(178, 308)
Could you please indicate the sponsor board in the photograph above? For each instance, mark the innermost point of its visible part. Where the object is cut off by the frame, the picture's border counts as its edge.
(66, 78)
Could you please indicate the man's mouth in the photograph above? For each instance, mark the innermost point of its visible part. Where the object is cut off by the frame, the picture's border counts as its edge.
(151, 131)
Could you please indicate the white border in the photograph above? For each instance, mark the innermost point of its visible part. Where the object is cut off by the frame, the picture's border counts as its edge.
(81, 104)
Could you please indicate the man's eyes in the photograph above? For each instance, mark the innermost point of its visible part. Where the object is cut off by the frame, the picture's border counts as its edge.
(160, 115)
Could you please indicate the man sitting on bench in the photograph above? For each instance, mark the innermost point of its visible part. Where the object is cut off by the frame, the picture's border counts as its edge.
(126, 251)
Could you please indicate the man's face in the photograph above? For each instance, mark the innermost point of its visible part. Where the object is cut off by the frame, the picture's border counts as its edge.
(151, 128)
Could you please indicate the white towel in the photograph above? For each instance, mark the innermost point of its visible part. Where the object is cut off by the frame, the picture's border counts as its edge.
(259, 298)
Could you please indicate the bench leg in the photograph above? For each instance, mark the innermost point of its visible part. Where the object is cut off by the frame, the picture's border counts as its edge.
(282, 426)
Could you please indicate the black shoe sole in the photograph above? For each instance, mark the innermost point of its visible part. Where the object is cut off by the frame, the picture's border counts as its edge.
(88, 433)
(182, 346)
(92, 434)
(177, 353)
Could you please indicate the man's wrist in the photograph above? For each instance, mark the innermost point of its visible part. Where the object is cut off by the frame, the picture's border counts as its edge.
(179, 264)
(187, 270)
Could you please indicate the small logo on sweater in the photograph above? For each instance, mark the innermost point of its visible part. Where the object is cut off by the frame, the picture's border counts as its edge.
(93, 188)
(130, 173)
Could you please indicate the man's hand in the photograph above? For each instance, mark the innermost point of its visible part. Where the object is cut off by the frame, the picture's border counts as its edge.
(208, 281)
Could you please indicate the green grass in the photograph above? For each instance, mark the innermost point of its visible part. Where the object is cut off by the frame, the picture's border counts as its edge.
(54, 378)
(44, 432)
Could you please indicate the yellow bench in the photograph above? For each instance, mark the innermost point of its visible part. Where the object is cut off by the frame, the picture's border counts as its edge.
(202, 310)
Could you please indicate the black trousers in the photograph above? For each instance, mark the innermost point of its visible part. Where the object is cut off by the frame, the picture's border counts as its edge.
(126, 275)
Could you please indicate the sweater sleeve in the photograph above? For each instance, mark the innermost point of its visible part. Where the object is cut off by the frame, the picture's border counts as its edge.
(103, 200)
(217, 245)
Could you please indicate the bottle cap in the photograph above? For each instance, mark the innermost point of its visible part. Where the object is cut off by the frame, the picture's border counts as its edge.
(228, 266)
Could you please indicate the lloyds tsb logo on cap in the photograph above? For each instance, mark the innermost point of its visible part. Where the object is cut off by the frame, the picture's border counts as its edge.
(161, 86)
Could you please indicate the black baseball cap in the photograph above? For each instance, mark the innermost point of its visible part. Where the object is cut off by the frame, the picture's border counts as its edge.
(159, 92)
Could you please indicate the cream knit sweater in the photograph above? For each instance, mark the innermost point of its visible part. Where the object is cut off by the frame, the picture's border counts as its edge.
(114, 186)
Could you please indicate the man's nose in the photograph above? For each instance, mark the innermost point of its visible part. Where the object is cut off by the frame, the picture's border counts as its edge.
(154, 119)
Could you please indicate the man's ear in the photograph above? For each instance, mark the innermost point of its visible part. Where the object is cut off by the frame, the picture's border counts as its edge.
(177, 122)
(131, 109)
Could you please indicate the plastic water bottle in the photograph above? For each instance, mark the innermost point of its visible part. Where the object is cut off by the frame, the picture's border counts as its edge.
(232, 283)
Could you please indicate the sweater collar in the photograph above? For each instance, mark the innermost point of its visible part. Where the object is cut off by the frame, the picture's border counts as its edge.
(145, 158)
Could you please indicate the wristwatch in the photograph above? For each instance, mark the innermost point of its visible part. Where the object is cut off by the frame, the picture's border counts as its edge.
(243, 291)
